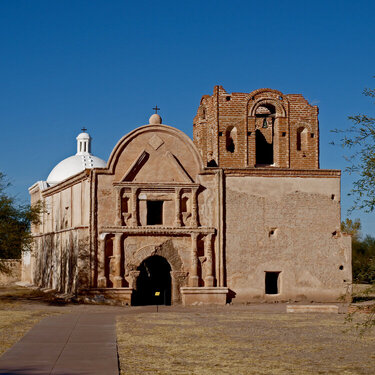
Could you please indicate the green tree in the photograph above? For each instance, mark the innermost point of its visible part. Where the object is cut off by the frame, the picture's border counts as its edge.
(359, 140)
(363, 252)
(15, 221)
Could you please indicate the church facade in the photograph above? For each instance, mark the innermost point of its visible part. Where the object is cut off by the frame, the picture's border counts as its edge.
(241, 214)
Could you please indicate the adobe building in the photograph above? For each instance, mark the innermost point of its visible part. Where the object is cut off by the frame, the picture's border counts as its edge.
(242, 214)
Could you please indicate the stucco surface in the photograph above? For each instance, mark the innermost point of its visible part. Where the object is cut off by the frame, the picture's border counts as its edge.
(291, 226)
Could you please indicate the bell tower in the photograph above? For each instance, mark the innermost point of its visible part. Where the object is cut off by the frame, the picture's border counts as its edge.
(261, 129)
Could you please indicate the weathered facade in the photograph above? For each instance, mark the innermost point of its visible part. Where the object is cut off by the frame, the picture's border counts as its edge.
(241, 214)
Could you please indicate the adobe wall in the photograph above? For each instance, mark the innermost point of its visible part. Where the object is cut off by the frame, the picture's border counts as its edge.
(61, 252)
(289, 225)
(14, 275)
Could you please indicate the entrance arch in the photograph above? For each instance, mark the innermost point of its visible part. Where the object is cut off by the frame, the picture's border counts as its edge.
(154, 276)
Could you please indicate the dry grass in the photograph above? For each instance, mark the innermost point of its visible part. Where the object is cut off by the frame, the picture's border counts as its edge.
(20, 309)
(14, 324)
(234, 341)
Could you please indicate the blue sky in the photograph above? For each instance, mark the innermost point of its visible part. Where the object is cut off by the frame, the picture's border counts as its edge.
(105, 64)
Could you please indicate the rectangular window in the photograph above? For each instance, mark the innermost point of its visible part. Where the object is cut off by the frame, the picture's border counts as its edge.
(272, 282)
(155, 212)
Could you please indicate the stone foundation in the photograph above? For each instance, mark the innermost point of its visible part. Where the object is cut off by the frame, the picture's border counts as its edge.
(312, 309)
(122, 295)
(204, 296)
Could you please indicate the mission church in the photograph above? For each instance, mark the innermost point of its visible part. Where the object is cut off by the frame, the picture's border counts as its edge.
(242, 213)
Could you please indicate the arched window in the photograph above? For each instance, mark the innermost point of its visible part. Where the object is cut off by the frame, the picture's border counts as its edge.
(301, 142)
(264, 135)
(231, 139)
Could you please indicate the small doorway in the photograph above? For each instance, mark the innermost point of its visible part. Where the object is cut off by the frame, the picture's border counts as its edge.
(154, 277)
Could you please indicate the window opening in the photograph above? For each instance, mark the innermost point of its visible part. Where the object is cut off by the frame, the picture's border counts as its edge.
(265, 117)
(231, 139)
(155, 212)
(264, 150)
(301, 139)
(272, 282)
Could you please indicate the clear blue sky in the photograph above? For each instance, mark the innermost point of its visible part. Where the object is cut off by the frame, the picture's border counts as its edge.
(105, 64)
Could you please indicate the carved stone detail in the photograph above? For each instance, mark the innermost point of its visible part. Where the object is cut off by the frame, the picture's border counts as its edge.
(155, 142)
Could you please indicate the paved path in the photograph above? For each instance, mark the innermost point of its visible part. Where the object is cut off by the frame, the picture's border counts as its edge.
(68, 344)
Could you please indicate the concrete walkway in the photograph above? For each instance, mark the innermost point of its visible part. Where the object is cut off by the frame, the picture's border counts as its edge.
(68, 344)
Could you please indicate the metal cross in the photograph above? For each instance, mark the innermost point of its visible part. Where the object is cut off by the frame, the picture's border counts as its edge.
(156, 109)
(83, 129)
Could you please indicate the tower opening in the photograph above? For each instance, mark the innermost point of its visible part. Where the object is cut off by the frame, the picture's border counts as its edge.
(264, 134)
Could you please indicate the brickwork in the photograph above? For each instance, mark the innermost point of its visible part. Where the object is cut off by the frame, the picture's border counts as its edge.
(264, 128)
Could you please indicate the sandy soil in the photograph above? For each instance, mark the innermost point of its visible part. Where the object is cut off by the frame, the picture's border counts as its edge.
(239, 340)
(254, 339)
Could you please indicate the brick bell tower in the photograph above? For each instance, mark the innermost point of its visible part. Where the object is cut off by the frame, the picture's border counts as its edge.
(261, 129)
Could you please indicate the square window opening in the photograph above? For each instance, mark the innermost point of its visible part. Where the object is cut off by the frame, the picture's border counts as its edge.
(272, 282)
(155, 212)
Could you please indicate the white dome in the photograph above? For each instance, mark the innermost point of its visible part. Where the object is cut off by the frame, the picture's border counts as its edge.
(83, 135)
(73, 165)
(82, 160)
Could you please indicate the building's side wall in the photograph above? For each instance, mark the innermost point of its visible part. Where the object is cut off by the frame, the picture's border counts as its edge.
(15, 269)
(289, 225)
(60, 257)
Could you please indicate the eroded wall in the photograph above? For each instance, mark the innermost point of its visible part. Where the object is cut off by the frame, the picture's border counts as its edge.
(61, 254)
(289, 225)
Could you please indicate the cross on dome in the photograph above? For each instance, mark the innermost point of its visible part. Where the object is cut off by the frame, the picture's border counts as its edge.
(84, 129)
(156, 109)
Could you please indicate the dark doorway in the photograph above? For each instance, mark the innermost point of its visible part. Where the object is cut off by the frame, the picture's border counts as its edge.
(154, 276)
(154, 212)
(263, 149)
(272, 282)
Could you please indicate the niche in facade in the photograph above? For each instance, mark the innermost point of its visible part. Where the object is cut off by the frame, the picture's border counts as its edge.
(155, 212)
(264, 134)
(231, 139)
(272, 283)
(301, 139)
(109, 267)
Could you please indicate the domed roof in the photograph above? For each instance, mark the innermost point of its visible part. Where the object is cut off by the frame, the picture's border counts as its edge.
(155, 119)
(72, 165)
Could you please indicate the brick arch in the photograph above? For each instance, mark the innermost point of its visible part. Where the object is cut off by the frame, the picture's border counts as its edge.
(280, 110)
(303, 124)
(165, 250)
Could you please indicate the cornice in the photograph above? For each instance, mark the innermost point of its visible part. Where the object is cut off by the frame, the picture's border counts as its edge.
(67, 183)
(282, 172)
(169, 231)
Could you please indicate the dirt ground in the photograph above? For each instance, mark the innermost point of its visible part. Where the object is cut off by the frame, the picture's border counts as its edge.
(254, 339)
(239, 340)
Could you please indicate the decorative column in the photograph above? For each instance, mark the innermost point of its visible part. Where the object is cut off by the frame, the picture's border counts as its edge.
(209, 279)
(194, 278)
(118, 279)
(118, 207)
(134, 207)
(194, 208)
(133, 279)
(177, 203)
(102, 279)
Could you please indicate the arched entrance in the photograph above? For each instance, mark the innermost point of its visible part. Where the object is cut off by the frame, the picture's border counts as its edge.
(154, 276)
